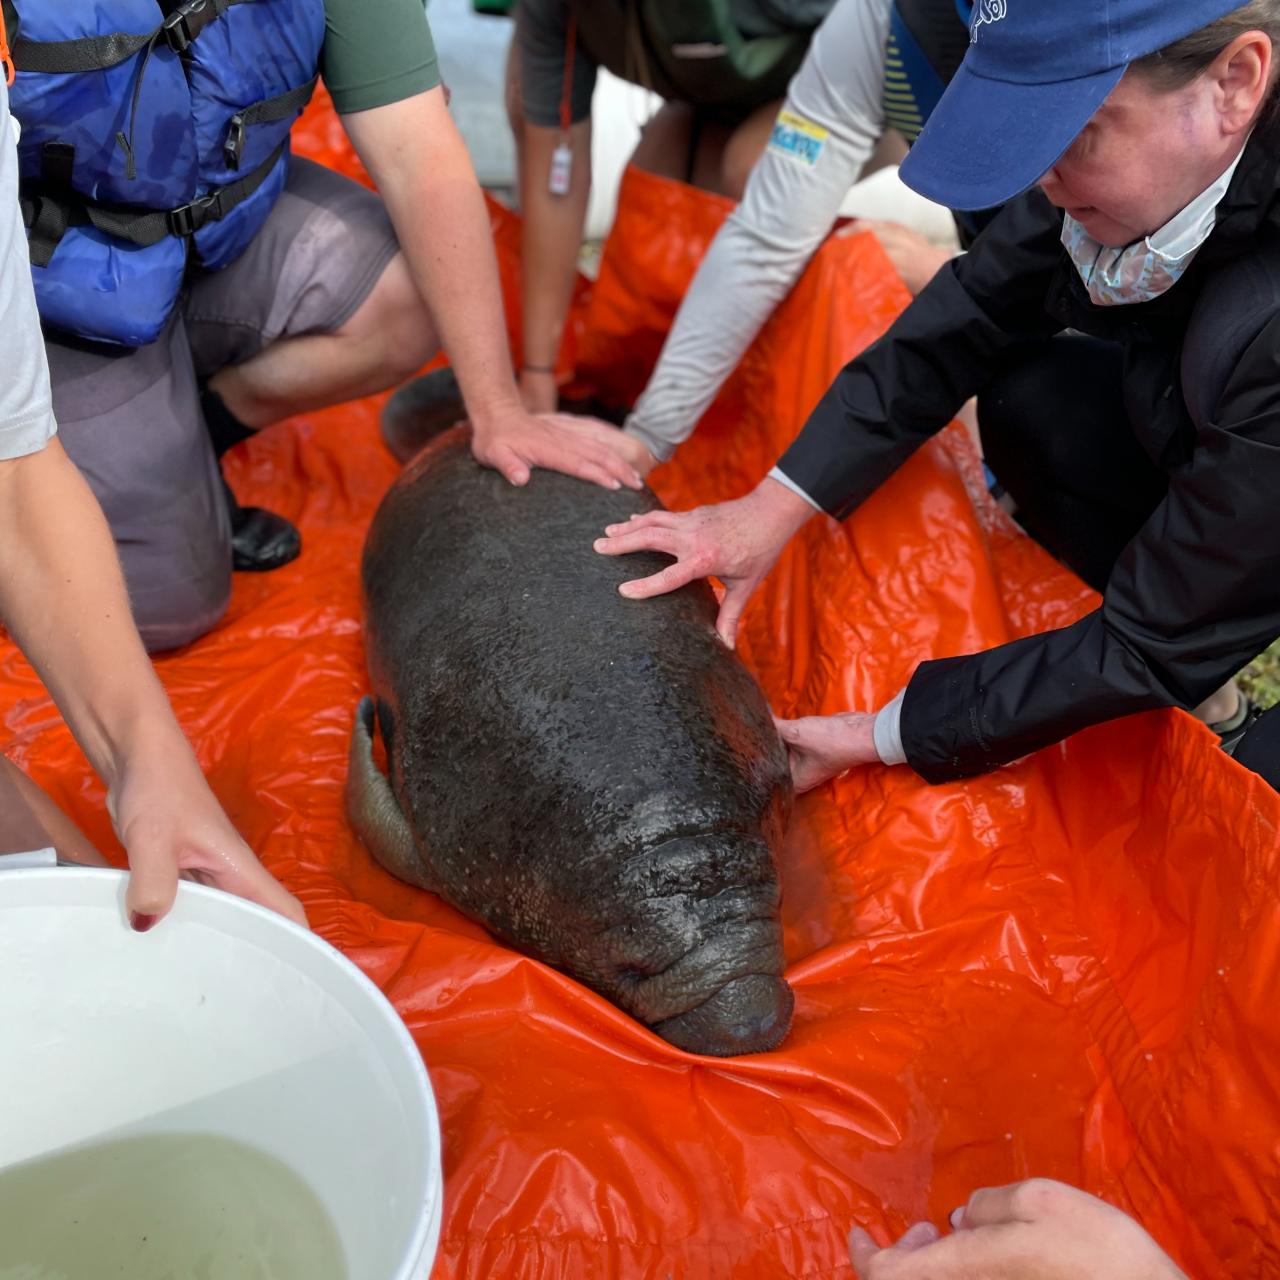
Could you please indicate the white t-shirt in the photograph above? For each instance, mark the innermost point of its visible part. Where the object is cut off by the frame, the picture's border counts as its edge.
(830, 124)
(26, 405)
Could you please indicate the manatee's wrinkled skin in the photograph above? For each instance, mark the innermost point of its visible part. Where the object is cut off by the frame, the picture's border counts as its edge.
(597, 780)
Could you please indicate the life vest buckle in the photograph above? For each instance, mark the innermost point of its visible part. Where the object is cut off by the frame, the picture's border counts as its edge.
(233, 147)
(187, 219)
(187, 21)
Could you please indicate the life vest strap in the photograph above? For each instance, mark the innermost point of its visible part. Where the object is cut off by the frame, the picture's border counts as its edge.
(97, 53)
(189, 19)
(269, 111)
(48, 212)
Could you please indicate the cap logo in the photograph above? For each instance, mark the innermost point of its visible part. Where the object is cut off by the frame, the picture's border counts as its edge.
(985, 13)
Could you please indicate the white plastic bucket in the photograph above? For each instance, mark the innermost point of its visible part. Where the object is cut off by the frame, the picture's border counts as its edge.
(225, 1019)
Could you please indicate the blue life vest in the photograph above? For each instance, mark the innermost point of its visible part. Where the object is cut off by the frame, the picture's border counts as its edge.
(155, 135)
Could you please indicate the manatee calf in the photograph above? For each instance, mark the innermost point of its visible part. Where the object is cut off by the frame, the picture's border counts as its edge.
(597, 780)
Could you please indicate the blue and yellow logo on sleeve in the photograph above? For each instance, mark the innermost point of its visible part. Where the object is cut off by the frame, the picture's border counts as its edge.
(797, 138)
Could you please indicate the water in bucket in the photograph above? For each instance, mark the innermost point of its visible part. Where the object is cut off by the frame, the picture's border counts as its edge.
(158, 1205)
(222, 1098)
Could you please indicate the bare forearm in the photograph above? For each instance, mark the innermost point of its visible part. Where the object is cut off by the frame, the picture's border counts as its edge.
(423, 171)
(417, 158)
(63, 598)
(553, 227)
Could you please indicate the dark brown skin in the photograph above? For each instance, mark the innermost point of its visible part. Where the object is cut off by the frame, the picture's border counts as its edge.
(597, 780)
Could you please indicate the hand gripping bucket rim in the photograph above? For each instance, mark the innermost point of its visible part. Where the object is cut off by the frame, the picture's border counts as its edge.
(293, 974)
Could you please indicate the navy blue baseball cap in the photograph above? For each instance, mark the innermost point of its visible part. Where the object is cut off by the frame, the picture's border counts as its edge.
(1035, 71)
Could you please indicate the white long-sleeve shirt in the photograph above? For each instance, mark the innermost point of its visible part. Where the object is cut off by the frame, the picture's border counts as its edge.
(26, 404)
(832, 119)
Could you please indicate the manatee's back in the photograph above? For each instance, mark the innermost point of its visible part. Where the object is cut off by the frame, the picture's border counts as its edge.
(538, 723)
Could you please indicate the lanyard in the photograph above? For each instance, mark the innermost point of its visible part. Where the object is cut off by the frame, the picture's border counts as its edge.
(560, 177)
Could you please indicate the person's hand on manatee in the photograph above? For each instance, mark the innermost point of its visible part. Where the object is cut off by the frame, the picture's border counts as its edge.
(914, 258)
(515, 442)
(173, 827)
(821, 747)
(736, 542)
(1036, 1230)
(637, 454)
(631, 449)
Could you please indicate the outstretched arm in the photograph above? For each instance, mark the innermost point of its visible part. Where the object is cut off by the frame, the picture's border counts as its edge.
(880, 408)
(557, 78)
(553, 230)
(736, 542)
(416, 156)
(826, 131)
(63, 598)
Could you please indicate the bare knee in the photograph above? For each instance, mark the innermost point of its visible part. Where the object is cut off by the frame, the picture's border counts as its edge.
(392, 328)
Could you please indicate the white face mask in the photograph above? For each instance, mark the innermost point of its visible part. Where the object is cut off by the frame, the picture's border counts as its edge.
(1147, 268)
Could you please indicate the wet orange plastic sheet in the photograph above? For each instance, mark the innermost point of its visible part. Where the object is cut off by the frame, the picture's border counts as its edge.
(1067, 968)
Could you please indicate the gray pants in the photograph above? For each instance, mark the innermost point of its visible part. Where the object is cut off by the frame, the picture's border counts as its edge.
(131, 420)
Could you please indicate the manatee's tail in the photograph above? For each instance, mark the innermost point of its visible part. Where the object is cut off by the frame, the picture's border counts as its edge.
(373, 810)
(425, 407)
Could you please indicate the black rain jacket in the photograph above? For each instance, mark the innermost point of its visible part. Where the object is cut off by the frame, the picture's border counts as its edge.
(1196, 595)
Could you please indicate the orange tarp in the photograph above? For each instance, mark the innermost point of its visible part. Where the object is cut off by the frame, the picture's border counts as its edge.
(1067, 968)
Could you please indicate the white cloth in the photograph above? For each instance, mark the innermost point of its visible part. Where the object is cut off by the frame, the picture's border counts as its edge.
(1138, 272)
(887, 732)
(829, 126)
(787, 482)
(26, 406)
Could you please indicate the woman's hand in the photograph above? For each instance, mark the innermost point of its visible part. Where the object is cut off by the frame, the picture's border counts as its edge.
(1036, 1230)
(64, 600)
(514, 442)
(821, 747)
(172, 827)
(736, 542)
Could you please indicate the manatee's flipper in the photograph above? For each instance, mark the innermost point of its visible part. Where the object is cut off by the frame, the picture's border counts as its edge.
(373, 810)
(425, 407)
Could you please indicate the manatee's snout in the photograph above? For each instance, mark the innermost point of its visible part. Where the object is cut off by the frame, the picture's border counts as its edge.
(698, 954)
(751, 1014)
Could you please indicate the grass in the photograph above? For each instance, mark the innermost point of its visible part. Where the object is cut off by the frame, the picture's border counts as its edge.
(1261, 678)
